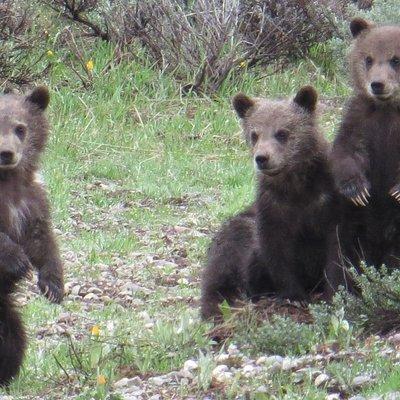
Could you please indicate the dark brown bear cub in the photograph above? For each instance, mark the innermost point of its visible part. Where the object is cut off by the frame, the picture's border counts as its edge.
(277, 246)
(26, 236)
(366, 157)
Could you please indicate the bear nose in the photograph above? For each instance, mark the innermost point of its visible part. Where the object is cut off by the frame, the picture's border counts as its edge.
(7, 157)
(261, 161)
(377, 87)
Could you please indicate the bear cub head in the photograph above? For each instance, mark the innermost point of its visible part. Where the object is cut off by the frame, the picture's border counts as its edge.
(23, 130)
(280, 133)
(375, 60)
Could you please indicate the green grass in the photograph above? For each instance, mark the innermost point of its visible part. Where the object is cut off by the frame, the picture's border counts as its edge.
(138, 178)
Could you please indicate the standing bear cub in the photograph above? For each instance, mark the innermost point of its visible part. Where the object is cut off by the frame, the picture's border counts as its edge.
(26, 237)
(279, 244)
(366, 157)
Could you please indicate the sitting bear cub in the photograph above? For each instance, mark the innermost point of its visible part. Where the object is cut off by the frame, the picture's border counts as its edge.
(279, 244)
(26, 237)
(366, 157)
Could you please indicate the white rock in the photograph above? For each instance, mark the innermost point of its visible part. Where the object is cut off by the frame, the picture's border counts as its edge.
(262, 389)
(361, 380)
(289, 363)
(91, 296)
(158, 380)
(155, 397)
(184, 373)
(271, 360)
(75, 290)
(224, 377)
(358, 397)
(248, 370)
(333, 396)
(219, 369)
(222, 358)
(121, 383)
(321, 379)
(233, 350)
(190, 365)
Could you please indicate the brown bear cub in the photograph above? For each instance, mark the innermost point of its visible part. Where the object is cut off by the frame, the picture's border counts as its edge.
(26, 237)
(366, 157)
(277, 246)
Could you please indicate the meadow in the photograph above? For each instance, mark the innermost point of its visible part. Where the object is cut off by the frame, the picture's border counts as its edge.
(140, 176)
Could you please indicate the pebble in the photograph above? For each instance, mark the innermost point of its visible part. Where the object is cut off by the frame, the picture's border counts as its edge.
(321, 379)
(395, 339)
(249, 370)
(190, 365)
(357, 397)
(158, 380)
(91, 296)
(219, 369)
(361, 380)
(333, 396)
(233, 350)
(268, 361)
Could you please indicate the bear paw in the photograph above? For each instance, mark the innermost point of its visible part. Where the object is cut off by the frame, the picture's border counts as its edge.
(51, 287)
(357, 191)
(395, 192)
(14, 263)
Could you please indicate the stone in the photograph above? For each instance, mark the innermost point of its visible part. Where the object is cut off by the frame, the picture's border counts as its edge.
(321, 380)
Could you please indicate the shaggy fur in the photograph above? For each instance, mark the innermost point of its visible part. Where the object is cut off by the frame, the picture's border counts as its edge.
(279, 244)
(26, 237)
(366, 155)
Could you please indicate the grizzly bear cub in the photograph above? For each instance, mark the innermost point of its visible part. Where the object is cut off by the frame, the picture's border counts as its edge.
(366, 157)
(26, 237)
(278, 245)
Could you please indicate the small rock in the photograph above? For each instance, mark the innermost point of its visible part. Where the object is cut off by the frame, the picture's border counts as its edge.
(393, 396)
(395, 339)
(121, 383)
(357, 397)
(233, 350)
(321, 379)
(75, 290)
(248, 370)
(333, 396)
(91, 296)
(289, 363)
(220, 368)
(158, 380)
(262, 389)
(361, 380)
(155, 397)
(190, 365)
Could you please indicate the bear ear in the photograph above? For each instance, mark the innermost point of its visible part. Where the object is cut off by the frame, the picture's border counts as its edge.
(307, 98)
(357, 25)
(40, 97)
(242, 104)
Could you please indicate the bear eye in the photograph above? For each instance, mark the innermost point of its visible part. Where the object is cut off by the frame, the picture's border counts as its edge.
(368, 61)
(395, 62)
(282, 136)
(253, 137)
(20, 131)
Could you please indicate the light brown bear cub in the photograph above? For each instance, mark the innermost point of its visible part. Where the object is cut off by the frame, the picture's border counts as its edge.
(278, 245)
(26, 237)
(366, 157)
(24, 209)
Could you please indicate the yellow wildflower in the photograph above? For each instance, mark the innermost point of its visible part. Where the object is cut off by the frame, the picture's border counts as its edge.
(243, 64)
(95, 330)
(90, 65)
(101, 380)
(50, 53)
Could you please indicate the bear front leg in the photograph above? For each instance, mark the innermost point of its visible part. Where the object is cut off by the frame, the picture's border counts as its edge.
(43, 252)
(14, 263)
(351, 181)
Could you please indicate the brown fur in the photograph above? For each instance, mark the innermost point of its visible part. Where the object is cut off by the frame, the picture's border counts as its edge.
(26, 237)
(279, 244)
(366, 155)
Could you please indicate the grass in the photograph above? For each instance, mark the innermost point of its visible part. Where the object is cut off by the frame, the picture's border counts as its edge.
(138, 178)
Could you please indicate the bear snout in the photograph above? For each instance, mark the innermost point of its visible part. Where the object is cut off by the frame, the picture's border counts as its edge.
(261, 161)
(7, 157)
(378, 88)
